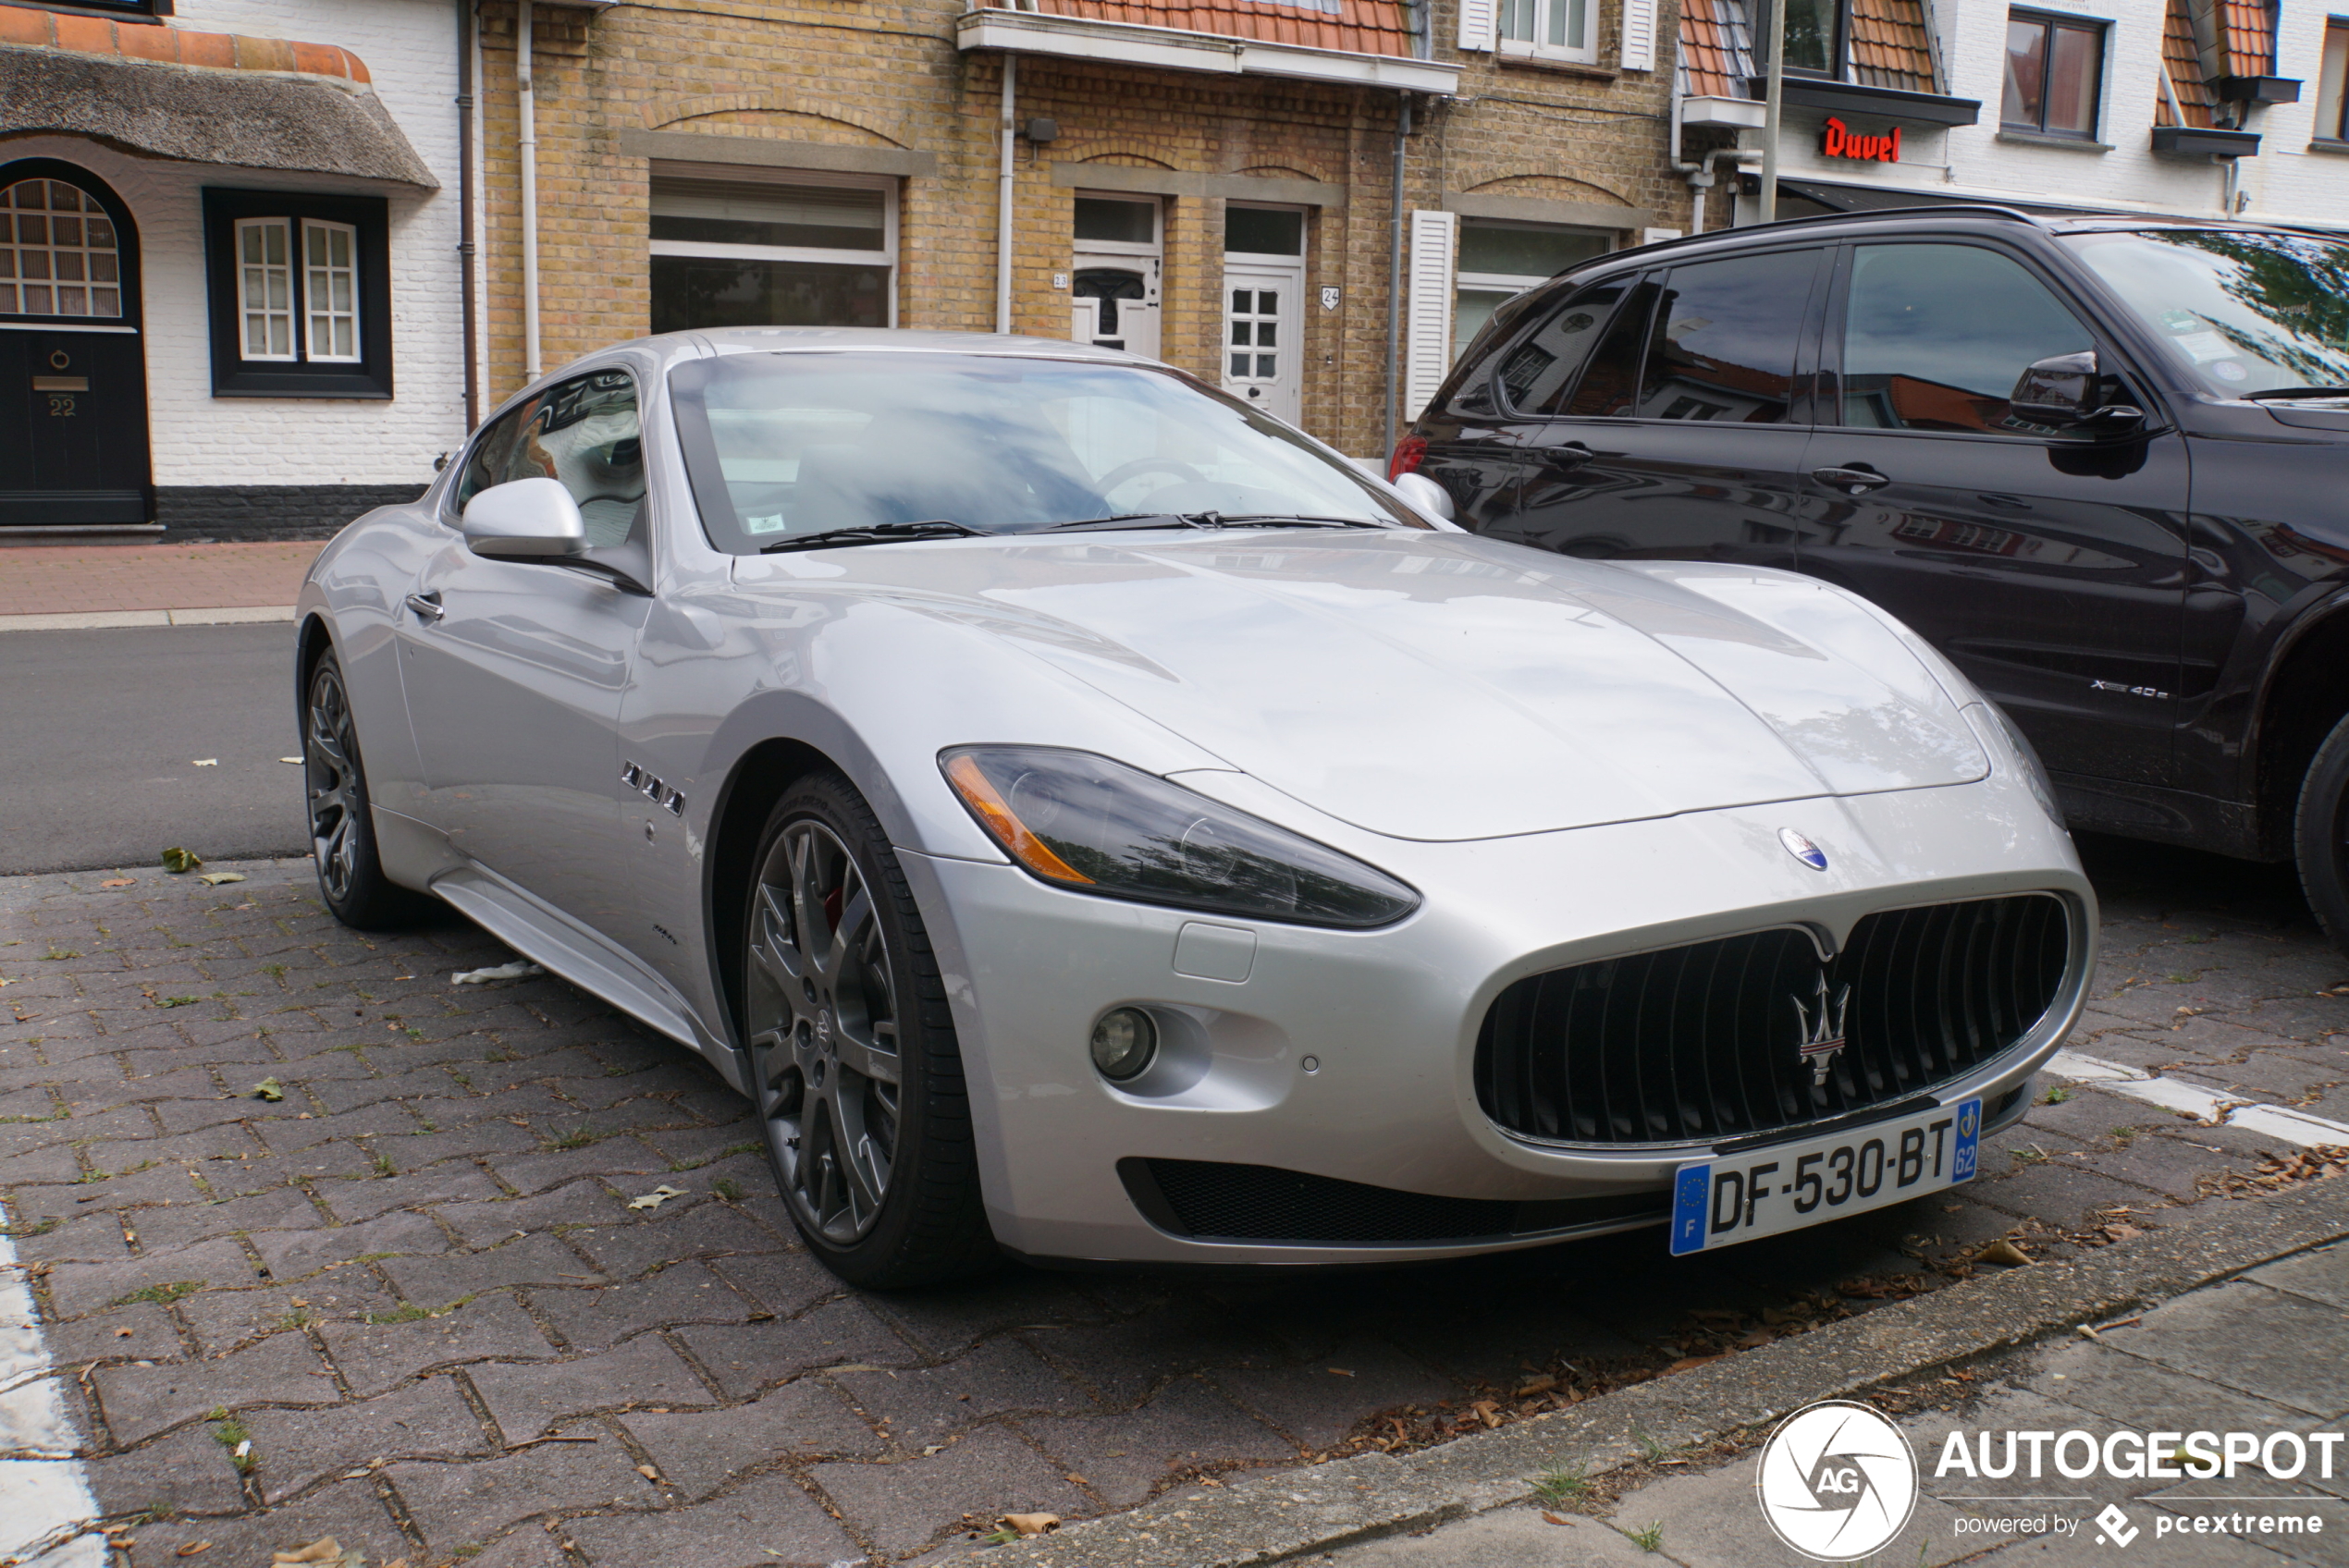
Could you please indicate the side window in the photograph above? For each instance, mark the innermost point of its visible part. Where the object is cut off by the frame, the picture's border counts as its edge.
(1724, 341)
(1610, 387)
(1934, 336)
(583, 432)
(1536, 374)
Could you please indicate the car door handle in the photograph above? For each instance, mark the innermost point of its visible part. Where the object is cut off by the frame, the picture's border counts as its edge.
(426, 606)
(1856, 478)
(1573, 454)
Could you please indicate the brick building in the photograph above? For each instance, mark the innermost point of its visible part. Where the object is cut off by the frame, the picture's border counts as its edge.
(230, 280)
(1211, 181)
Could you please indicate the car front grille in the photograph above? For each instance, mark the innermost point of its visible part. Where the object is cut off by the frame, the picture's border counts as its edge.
(1212, 1200)
(1707, 1042)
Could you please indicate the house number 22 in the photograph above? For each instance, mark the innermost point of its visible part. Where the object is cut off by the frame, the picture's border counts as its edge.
(60, 405)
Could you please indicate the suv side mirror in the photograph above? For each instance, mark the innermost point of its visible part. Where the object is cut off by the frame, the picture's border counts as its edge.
(1426, 496)
(2065, 391)
(525, 519)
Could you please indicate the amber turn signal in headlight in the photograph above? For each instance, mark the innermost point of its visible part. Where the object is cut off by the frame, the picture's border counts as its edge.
(1099, 826)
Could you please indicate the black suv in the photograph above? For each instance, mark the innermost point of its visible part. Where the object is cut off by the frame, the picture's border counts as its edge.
(2102, 464)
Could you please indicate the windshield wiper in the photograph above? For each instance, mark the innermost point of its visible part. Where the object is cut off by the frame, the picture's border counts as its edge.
(1128, 520)
(2281, 394)
(1276, 520)
(874, 534)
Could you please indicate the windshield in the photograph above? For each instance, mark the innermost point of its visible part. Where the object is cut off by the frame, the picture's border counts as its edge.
(780, 445)
(2248, 312)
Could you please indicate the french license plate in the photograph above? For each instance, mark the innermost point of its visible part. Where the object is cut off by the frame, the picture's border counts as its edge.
(1718, 1203)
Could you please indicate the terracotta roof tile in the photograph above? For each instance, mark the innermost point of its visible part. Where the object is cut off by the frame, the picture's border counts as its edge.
(2247, 37)
(1360, 27)
(2184, 65)
(1889, 46)
(1715, 56)
(25, 27)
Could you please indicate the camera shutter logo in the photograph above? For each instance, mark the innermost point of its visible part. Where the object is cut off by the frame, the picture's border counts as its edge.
(1837, 1481)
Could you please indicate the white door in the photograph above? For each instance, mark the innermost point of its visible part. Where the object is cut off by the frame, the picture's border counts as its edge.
(1115, 302)
(1263, 321)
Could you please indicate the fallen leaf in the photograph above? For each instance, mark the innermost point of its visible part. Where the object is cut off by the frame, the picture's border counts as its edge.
(657, 1196)
(521, 969)
(2005, 1252)
(1341, 1372)
(177, 860)
(1541, 1385)
(124, 1333)
(119, 882)
(1686, 1362)
(269, 1089)
(1032, 1524)
(205, 762)
(190, 1549)
(324, 1549)
(1555, 1519)
(1488, 1411)
(214, 878)
(649, 1473)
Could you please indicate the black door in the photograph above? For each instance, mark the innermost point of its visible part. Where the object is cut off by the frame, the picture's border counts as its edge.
(2049, 566)
(73, 381)
(1683, 435)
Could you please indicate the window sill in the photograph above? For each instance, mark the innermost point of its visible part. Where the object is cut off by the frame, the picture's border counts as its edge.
(2041, 138)
(2326, 144)
(1524, 56)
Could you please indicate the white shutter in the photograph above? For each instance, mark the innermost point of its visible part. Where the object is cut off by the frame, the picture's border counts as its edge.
(1427, 354)
(1639, 35)
(1476, 26)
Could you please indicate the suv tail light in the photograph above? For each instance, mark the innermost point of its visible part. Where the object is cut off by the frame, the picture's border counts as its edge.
(1409, 453)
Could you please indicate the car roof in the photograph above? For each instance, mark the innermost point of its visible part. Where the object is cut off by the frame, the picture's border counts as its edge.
(1981, 215)
(898, 339)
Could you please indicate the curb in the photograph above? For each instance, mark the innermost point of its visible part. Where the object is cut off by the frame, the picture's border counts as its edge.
(1282, 1514)
(88, 620)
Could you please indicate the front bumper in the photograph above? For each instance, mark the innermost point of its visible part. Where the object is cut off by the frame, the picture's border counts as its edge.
(1349, 1055)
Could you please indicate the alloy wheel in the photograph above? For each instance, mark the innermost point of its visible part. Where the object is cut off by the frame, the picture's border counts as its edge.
(330, 751)
(824, 1031)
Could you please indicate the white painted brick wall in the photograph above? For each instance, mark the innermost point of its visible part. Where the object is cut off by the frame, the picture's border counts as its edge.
(2286, 182)
(410, 49)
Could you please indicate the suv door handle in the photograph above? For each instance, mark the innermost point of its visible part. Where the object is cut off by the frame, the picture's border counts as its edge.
(1573, 454)
(1859, 477)
(426, 606)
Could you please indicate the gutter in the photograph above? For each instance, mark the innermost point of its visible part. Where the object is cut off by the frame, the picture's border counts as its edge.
(1003, 196)
(469, 304)
(526, 100)
(1394, 279)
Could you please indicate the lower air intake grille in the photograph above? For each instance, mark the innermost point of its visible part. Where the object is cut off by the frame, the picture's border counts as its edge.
(1728, 1039)
(1209, 1200)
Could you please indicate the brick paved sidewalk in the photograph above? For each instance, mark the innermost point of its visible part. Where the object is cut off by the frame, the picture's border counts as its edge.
(414, 1284)
(2266, 1352)
(78, 579)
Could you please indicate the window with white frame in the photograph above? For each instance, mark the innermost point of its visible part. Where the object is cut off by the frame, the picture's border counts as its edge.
(57, 255)
(264, 288)
(300, 285)
(732, 246)
(330, 291)
(1562, 29)
(1499, 259)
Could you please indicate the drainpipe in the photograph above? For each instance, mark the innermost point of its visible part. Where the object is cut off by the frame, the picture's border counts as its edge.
(1395, 281)
(527, 101)
(1002, 198)
(1770, 126)
(468, 306)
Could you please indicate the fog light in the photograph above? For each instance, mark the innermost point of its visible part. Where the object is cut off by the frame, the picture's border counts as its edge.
(1124, 1042)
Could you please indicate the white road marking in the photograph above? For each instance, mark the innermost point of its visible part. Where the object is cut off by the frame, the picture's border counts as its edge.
(45, 1494)
(2209, 1105)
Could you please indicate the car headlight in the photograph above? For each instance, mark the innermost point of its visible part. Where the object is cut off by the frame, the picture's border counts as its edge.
(2034, 772)
(1093, 826)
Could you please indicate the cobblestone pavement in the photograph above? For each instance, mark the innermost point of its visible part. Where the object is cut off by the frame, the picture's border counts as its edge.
(415, 1286)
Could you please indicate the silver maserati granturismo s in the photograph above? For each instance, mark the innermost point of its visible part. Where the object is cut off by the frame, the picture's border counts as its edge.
(1094, 821)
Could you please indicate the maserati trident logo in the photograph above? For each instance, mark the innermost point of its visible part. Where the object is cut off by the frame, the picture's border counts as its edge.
(1823, 1034)
(1803, 849)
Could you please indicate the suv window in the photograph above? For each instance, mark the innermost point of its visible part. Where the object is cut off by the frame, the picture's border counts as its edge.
(1936, 336)
(583, 432)
(1536, 374)
(1724, 342)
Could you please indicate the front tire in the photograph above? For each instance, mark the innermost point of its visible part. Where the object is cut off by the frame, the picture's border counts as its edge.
(342, 829)
(854, 1060)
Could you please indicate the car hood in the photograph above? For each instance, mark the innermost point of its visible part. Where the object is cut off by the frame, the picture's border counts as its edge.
(1442, 686)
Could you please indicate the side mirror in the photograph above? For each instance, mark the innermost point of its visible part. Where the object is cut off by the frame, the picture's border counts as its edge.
(1425, 495)
(525, 520)
(2060, 391)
